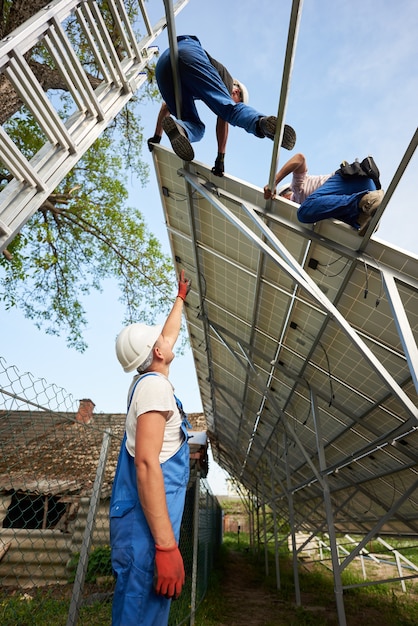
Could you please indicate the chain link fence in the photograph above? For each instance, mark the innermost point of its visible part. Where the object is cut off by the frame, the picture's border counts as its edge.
(57, 464)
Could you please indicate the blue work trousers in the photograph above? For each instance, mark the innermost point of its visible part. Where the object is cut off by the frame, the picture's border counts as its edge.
(135, 602)
(337, 198)
(200, 81)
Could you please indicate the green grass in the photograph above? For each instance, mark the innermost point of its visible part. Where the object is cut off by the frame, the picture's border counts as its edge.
(33, 609)
(377, 604)
(23, 611)
(213, 606)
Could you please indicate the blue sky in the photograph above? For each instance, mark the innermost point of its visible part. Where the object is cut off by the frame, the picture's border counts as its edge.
(353, 92)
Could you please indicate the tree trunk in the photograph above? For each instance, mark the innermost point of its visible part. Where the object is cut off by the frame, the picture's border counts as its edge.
(17, 13)
(48, 77)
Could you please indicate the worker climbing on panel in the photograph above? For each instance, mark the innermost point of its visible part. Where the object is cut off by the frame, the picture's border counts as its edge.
(204, 78)
(352, 194)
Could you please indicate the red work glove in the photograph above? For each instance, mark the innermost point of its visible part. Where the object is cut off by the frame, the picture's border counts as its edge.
(169, 572)
(184, 286)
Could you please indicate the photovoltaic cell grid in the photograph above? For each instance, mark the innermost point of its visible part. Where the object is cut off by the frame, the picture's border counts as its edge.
(303, 375)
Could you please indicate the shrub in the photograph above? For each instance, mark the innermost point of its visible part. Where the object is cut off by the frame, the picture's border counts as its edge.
(99, 564)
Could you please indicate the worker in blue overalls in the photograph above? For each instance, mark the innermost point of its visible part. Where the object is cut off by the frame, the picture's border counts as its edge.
(204, 78)
(151, 477)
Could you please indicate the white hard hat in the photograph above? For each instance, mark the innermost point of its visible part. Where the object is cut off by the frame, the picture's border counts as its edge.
(284, 189)
(134, 343)
(243, 89)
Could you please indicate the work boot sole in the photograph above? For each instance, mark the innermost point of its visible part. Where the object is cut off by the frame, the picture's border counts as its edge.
(289, 134)
(365, 225)
(177, 137)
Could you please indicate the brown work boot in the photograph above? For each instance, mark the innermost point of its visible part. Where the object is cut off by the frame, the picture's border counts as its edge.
(368, 206)
(178, 139)
(267, 126)
(371, 201)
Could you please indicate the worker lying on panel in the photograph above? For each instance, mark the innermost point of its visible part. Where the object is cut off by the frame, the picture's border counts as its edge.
(352, 194)
(151, 478)
(204, 78)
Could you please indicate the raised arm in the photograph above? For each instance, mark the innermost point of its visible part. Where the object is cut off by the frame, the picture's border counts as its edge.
(172, 325)
(163, 112)
(295, 165)
(222, 129)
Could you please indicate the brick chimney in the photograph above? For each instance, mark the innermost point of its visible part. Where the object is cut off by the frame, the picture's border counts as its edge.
(85, 411)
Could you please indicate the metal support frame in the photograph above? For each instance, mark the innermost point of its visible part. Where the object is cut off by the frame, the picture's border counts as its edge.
(269, 246)
(241, 354)
(295, 16)
(174, 55)
(292, 524)
(275, 528)
(266, 553)
(338, 590)
(392, 186)
(402, 324)
(218, 333)
(364, 554)
(337, 566)
(373, 532)
(280, 255)
(251, 522)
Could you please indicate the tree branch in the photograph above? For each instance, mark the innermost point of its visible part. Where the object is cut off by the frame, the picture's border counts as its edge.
(92, 230)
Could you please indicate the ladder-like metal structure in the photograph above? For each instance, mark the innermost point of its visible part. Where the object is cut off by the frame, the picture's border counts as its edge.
(119, 62)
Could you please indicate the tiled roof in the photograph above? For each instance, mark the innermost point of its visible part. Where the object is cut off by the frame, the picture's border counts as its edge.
(50, 453)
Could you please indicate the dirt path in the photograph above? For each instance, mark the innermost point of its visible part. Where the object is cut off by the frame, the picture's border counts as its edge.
(248, 600)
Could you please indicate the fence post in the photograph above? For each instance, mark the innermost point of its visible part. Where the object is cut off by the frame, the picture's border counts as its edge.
(195, 549)
(88, 532)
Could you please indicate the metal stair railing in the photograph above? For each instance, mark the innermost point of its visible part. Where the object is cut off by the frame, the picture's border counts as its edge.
(121, 73)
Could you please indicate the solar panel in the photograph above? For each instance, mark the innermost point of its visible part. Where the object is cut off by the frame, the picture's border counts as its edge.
(304, 343)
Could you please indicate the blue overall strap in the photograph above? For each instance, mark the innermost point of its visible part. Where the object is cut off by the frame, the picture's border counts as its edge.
(182, 413)
(134, 387)
(125, 492)
(185, 421)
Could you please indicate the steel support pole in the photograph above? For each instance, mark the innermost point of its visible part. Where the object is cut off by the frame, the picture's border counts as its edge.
(266, 554)
(275, 530)
(257, 511)
(402, 324)
(338, 587)
(252, 524)
(174, 54)
(295, 16)
(292, 526)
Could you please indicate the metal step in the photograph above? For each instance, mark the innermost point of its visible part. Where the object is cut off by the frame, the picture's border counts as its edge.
(120, 71)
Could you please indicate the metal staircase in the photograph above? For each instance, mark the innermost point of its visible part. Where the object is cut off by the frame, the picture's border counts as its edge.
(119, 73)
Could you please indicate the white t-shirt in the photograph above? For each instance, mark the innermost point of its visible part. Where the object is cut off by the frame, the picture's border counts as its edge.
(155, 393)
(305, 184)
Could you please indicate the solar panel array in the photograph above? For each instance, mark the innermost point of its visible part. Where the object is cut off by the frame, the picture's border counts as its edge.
(304, 343)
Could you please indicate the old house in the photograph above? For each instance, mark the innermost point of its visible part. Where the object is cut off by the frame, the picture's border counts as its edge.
(48, 466)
